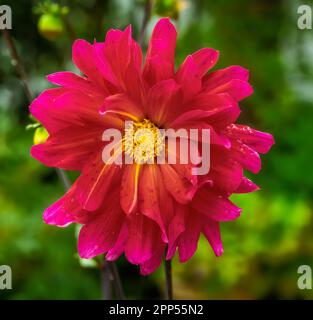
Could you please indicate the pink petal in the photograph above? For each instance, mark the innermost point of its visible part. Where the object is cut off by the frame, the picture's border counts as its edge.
(150, 194)
(115, 55)
(188, 240)
(119, 245)
(259, 141)
(225, 172)
(178, 186)
(176, 228)
(162, 101)
(103, 65)
(188, 77)
(134, 85)
(212, 232)
(163, 41)
(100, 234)
(121, 105)
(69, 148)
(248, 158)
(217, 110)
(215, 137)
(129, 187)
(157, 69)
(59, 108)
(83, 58)
(215, 206)
(246, 186)
(96, 179)
(42, 108)
(72, 81)
(143, 239)
(152, 188)
(220, 77)
(205, 59)
(237, 89)
(154, 262)
(65, 211)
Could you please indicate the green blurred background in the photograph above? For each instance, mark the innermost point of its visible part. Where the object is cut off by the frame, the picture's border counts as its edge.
(264, 248)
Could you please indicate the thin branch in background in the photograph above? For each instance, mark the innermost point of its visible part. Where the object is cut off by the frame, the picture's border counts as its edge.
(17, 63)
(116, 281)
(168, 278)
(146, 18)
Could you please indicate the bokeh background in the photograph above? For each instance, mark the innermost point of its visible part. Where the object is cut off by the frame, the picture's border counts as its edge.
(264, 248)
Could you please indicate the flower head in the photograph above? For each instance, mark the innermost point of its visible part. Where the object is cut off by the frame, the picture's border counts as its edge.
(144, 207)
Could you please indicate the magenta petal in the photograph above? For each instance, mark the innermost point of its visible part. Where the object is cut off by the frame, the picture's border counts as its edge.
(176, 228)
(143, 238)
(83, 58)
(120, 104)
(154, 262)
(103, 65)
(181, 190)
(65, 211)
(246, 156)
(100, 234)
(225, 172)
(246, 186)
(188, 240)
(259, 141)
(130, 187)
(163, 41)
(72, 81)
(212, 232)
(59, 109)
(162, 100)
(151, 189)
(222, 76)
(188, 77)
(68, 148)
(237, 89)
(42, 108)
(215, 206)
(96, 179)
(218, 110)
(157, 69)
(205, 59)
(119, 245)
(215, 137)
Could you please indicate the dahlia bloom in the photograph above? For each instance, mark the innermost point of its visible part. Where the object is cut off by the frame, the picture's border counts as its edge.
(144, 209)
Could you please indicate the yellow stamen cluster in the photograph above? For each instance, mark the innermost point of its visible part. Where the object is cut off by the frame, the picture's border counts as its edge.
(143, 141)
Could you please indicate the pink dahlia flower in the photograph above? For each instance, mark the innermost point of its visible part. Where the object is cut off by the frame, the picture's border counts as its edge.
(143, 209)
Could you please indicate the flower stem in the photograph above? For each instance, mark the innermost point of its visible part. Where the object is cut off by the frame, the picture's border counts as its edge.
(168, 278)
(106, 281)
(146, 18)
(109, 276)
(116, 281)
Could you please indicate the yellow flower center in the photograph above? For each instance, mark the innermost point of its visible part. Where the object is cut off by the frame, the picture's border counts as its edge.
(143, 141)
